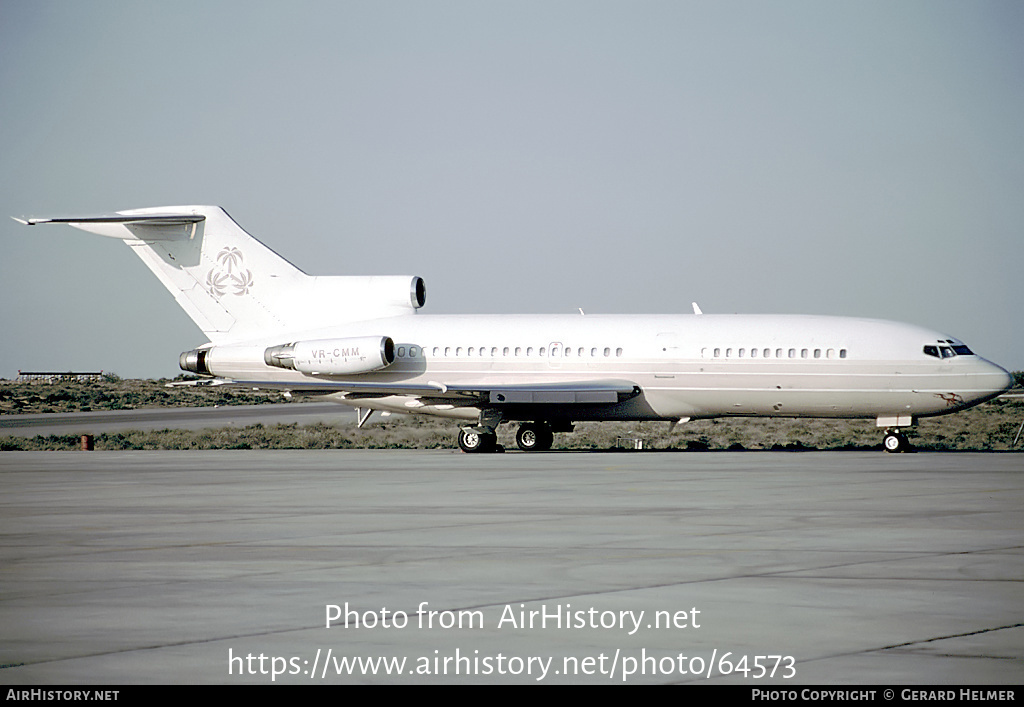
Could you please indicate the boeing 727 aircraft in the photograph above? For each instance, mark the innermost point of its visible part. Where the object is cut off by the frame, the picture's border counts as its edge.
(362, 341)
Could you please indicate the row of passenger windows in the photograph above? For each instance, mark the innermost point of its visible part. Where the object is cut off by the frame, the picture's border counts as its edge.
(506, 351)
(768, 353)
(940, 351)
(603, 352)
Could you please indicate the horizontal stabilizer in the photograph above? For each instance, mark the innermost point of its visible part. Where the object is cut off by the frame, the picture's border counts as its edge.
(147, 225)
(147, 219)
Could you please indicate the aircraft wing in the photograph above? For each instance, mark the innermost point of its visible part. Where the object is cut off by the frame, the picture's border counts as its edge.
(598, 392)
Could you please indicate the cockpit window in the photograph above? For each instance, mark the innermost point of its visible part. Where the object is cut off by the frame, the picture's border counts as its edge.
(943, 351)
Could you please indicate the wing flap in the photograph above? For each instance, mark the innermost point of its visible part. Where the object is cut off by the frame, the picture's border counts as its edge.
(572, 394)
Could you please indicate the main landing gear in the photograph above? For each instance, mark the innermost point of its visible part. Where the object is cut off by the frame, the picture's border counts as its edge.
(482, 438)
(531, 437)
(534, 437)
(895, 441)
(473, 441)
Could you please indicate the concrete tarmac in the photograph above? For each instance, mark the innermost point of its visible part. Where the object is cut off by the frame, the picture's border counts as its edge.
(565, 567)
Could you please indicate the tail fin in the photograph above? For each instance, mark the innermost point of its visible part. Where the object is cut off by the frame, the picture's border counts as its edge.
(234, 287)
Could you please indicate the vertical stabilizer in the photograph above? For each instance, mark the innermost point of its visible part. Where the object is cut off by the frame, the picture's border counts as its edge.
(234, 287)
(220, 275)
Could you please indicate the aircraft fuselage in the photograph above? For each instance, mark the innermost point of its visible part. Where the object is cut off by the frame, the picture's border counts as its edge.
(362, 341)
(687, 366)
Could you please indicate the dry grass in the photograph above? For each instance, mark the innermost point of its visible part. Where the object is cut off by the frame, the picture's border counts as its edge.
(988, 427)
(113, 393)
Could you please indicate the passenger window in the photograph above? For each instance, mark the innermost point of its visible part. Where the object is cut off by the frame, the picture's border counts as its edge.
(718, 353)
(618, 352)
(766, 353)
(792, 353)
(831, 353)
(504, 351)
(817, 353)
(842, 353)
(803, 353)
(607, 351)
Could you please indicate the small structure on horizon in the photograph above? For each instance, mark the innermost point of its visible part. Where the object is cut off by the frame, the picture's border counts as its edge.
(52, 376)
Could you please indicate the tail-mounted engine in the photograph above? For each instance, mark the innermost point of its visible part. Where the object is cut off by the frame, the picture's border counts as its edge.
(195, 361)
(360, 354)
(334, 356)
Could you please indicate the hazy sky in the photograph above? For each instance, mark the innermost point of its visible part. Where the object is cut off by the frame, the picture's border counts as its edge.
(854, 158)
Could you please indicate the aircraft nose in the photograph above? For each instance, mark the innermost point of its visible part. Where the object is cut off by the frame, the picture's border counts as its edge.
(1008, 379)
(993, 380)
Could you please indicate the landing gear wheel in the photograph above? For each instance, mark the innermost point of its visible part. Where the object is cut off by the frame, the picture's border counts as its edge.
(534, 437)
(473, 442)
(895, 442)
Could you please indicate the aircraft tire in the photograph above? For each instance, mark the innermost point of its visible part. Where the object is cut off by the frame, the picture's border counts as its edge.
(534, 438)
(895, 442)
(477, 442)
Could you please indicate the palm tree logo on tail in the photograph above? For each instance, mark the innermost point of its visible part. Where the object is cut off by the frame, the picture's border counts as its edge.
(228, 273)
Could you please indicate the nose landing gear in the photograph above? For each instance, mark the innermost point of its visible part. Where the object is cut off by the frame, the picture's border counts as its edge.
(895, 441)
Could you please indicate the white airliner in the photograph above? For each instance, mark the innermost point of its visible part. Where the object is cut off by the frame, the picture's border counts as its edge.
(362, 341)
